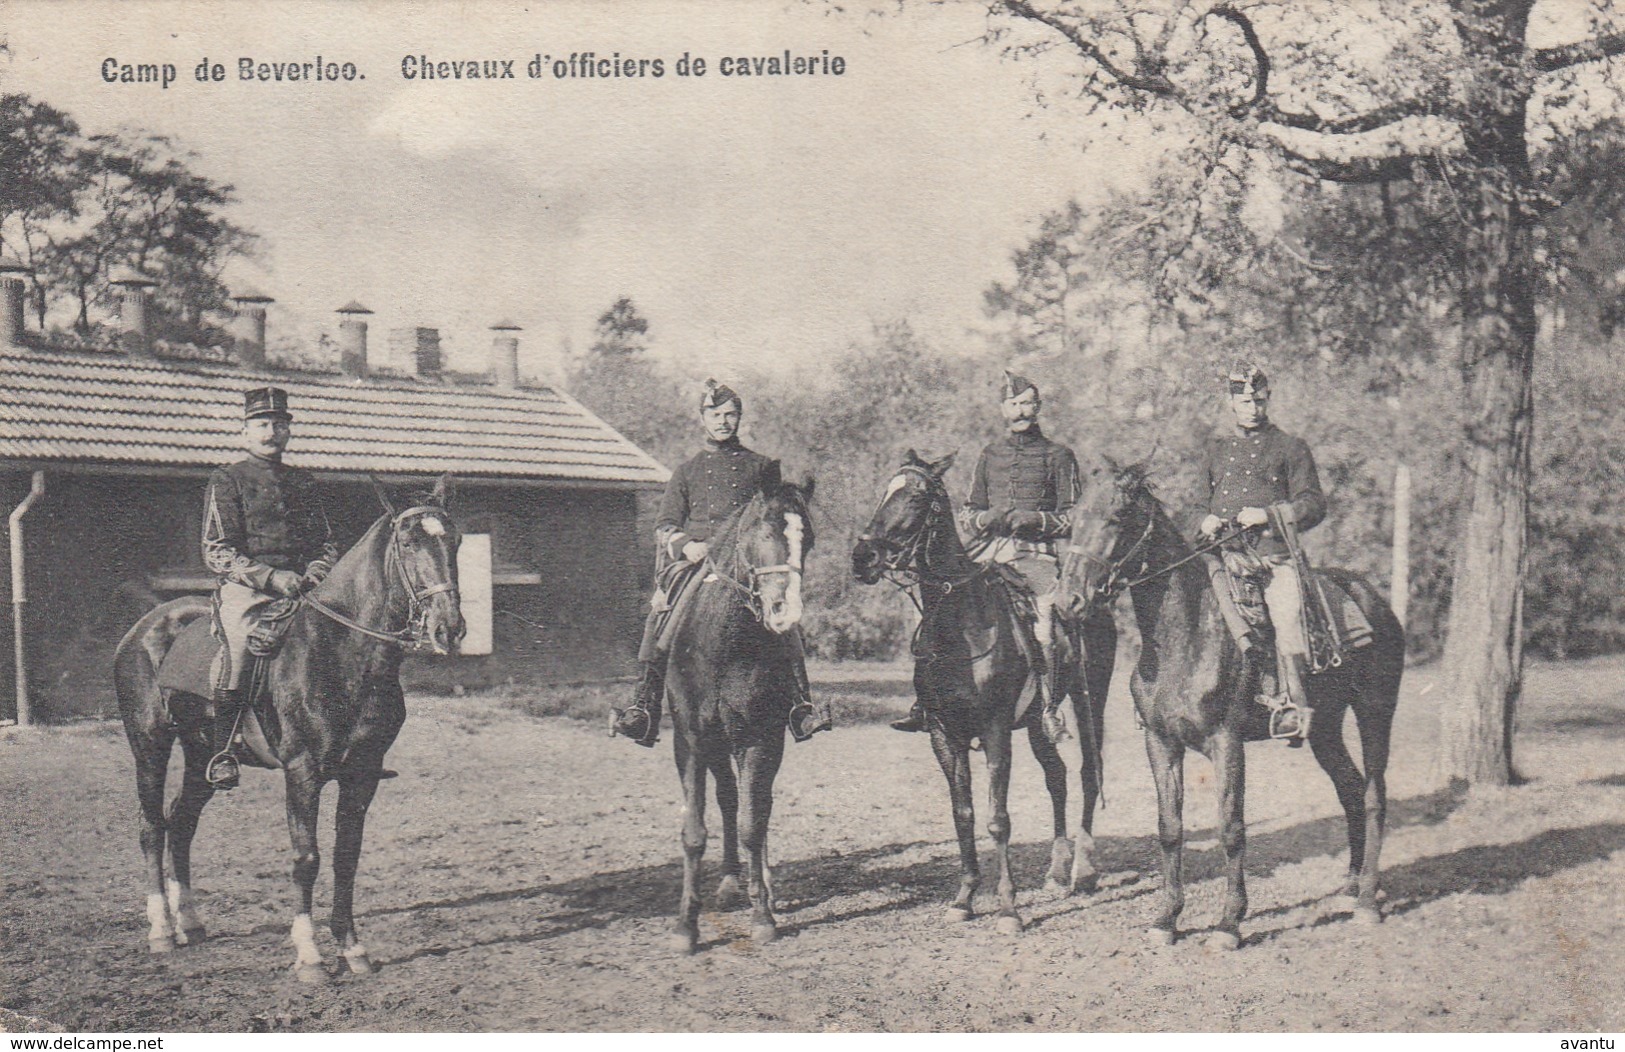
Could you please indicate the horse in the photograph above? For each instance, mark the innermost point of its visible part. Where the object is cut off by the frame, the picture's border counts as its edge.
(969, 672)
(1194, 688)
(730, 689)
(334, 707)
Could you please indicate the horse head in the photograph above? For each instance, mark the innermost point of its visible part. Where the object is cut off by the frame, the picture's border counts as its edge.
(423, 542)
(913, 501)
(1111, 523)
(774, 539)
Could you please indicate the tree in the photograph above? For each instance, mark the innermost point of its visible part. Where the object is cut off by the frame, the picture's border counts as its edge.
(1455, 104)
(38, 149)
(620, 330)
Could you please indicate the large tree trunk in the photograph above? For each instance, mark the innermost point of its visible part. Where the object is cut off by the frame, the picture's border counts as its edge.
(1483, 657)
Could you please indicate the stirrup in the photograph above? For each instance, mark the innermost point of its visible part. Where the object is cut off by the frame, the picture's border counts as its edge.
(633, 723)
(806, 721)
(222, 772)
(1054, 726)
(1298, 720)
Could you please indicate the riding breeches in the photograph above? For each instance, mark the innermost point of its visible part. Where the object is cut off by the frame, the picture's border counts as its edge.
(1040, 571)
(1285, 603)
(237, 611)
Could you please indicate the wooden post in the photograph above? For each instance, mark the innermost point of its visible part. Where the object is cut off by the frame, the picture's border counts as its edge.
(1399, 587)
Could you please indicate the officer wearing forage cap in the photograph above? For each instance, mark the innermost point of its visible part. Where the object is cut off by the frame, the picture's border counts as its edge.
(1021, 495)
(703, 494)
(265, 537)
(1248, 471)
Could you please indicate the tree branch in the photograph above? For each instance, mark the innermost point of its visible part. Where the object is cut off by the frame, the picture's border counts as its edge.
(1374, 120)
(1357, 170)
(1261, 74)
(1149, 83)
(1550, 59)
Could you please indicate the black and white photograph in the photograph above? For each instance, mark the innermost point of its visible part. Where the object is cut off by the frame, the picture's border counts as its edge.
(812, 516)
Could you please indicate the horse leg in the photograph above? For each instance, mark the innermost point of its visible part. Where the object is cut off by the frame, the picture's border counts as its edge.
(1168, 771)
(1230, 762)
(685, 930)
(955, 763)
(151, 765)
(1375, 729)
(183, 817)
(998, 826)
(1089, 703)
(304, 795)
(1055, 775)
(729, 895)
(355, 796)
(1332, 753)
(761, 766)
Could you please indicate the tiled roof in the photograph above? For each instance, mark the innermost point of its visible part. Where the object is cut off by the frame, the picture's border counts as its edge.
(84, 407)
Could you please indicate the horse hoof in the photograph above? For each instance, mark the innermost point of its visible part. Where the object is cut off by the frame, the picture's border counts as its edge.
(1161, 936)
(958, 914)
(357, 964)
(1060, 861)
(310, 973)
(1368, 915)
(1224, 940)
(160, 943)
(193, 936)
(729, 894)
(1009, 924)
(684, 942)
(1086, 885)
(762, 934)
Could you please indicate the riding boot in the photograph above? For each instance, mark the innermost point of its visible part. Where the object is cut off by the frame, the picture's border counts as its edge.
(914, 721)
(1054, 725)
(1291, 721)
(807, 717)
(222, 773)
(641, 722)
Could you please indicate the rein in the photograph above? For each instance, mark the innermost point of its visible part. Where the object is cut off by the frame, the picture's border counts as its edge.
(905, 566)
(411, 634)
(1114, 585)
(749, 592)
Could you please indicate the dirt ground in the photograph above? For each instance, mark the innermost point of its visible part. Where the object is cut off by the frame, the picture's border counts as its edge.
(520, 874)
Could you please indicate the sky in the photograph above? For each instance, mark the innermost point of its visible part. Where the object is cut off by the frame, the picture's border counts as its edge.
(753, 220)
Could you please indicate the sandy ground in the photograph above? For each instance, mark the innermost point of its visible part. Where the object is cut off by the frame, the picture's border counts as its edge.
(521, 872)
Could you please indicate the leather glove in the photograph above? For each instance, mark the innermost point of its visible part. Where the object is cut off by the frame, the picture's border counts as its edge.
(998, 521)
(1022, 521)
(1210, 526)
(1253, 517)
(694, 551)
(286, 583)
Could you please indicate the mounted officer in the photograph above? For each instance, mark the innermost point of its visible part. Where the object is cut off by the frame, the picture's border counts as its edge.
(1021, 495)
(265, 537)
(1264, 480)
(703, 494)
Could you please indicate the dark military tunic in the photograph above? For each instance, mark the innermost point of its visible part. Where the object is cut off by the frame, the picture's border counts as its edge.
(1026, 472)
(706, 491)
(1261, 468)
(261, 515)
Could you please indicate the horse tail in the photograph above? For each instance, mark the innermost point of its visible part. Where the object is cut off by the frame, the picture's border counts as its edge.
(142, 650)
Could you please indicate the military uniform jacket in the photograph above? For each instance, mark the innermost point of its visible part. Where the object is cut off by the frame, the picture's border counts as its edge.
(261, 515)
(706, 491)
(1024, 472)
(1261, 468)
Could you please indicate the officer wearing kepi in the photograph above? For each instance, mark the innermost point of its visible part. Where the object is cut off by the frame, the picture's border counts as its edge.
(703, 494)
(1021, 496)
(1249, 471)
(265, 537)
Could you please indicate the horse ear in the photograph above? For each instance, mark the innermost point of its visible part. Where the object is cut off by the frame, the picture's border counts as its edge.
(912, 457)
(383, 494)
(772, 478)
(1111, 462)
(808, 484)
(445, 491)
(940, 468)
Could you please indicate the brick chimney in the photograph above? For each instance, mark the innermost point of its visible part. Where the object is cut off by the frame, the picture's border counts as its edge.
(13, 287)
(135, 289)
(250, 349)
(353, 339)
(505, 355)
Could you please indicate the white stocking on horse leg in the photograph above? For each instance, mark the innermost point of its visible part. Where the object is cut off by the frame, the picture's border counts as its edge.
(308, 966)
(161, 936)
(187, 923)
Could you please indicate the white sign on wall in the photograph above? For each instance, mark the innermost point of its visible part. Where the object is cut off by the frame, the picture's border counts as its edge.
(474, 589)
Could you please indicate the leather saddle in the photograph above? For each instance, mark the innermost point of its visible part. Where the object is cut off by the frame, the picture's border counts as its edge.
(186, 682)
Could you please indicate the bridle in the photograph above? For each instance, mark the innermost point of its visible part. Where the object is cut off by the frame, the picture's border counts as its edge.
(412, 634)
(751, 592)
(1115, 583)
(904, 564)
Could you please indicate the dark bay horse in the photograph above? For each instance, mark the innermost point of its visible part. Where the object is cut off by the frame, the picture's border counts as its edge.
(969, 671)
(336, 701)
(1194, 688)
(730, 688)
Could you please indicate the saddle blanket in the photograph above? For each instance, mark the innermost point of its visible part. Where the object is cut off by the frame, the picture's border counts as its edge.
(188, 668)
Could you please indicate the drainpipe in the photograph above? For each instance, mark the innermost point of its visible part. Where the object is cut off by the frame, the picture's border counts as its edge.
(19, 596)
